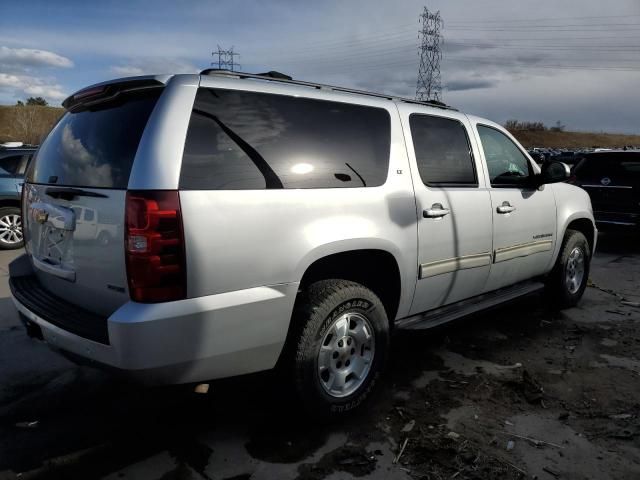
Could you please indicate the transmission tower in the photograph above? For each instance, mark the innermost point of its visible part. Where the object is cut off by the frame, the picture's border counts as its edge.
(226, 59)
(429, 86)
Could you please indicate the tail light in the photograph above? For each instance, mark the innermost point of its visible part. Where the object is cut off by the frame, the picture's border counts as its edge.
(154, 245)
(572, 179)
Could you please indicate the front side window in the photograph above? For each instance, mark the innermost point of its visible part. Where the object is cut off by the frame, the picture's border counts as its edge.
(506, 163)
(443, 153)
(240, 140)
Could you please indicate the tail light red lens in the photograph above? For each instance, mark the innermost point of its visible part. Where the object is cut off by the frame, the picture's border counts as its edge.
(154, 246)
(572, 179)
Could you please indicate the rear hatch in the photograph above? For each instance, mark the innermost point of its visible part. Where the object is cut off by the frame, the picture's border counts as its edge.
(612, 180)
(75, 194)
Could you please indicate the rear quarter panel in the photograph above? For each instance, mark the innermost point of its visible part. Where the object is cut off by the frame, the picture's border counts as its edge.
(238, 239)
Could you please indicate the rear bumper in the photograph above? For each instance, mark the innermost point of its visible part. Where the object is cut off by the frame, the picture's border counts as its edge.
(191, 340)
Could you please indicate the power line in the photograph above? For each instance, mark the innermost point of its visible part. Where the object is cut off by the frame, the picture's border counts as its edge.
(510, 20)
(429, 86)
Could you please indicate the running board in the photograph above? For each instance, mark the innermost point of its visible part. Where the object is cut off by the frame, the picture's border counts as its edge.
(433, 318)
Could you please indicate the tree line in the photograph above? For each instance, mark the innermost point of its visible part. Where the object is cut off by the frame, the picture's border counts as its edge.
(518, 126)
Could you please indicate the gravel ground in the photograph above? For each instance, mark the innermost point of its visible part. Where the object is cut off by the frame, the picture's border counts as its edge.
(519, 392)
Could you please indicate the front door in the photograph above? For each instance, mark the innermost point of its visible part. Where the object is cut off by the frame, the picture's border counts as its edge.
(524, 218)
(453, 208)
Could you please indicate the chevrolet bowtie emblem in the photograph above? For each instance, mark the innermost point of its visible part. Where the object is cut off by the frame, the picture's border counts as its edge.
(40, 216)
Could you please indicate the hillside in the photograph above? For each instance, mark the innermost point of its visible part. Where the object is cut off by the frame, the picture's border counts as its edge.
(551, 139)
(28, 124)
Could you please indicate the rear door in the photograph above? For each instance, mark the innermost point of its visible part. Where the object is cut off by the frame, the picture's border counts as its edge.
(453, 206)
(79, 176)
(524, 218)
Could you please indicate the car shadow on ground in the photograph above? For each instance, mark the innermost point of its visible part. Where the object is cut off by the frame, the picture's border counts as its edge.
(618, 242)
(114, 423)
(89, 424)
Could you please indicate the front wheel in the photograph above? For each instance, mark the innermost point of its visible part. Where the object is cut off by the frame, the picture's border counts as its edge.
(570, 275)
(340, 347)
(10, 228)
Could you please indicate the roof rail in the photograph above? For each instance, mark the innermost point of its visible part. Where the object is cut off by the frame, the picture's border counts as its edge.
(274, 76)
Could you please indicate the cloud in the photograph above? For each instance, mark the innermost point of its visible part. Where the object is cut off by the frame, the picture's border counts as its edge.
(469, 84)
(29, 57)
(25, 85)
(149, 66)
(127, 70)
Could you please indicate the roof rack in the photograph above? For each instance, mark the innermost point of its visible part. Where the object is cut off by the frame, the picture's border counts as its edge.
(274, 76)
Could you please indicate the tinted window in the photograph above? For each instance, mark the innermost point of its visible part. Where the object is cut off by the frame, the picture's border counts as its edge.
(9, 165)
(246, 140)
(507, 165)
(442, 151)
(617, 166)
(95, 147)
(89, 215)
(24, 163)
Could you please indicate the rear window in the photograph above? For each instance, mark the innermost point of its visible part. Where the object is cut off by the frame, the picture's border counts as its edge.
(246, 140)
(624, 166)
(95, 147)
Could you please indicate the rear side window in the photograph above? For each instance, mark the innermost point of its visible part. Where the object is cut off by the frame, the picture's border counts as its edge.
(95, 147)
(246, 140)
(443, 152)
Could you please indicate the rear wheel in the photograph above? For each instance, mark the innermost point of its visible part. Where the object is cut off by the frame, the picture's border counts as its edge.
(340, 345)
(10, 228)
(568, 280)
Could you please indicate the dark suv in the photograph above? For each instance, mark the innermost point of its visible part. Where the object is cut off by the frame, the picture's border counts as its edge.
(612, 179)
(14, 158)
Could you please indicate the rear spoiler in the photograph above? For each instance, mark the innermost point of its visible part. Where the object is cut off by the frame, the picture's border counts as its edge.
(102, 92)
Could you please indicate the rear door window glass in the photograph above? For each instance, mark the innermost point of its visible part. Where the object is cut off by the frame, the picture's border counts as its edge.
(240, 140)
(95, 147)
(442, 149)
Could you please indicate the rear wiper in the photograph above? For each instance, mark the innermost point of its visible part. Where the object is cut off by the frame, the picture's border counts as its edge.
(68, 193)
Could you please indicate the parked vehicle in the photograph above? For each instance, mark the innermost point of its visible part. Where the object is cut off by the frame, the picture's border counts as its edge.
(273, 222)
(612, 179)
(568, 157)
(537, 156)
(14, 157)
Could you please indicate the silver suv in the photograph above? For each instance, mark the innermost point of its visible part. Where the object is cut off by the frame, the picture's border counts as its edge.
(256, 221)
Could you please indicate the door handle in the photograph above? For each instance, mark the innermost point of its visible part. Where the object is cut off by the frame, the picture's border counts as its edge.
(505, 208)
(436, 211)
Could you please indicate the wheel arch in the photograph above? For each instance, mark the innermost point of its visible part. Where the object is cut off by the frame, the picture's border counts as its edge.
(9, 202)
(376, 269)
(580, 221)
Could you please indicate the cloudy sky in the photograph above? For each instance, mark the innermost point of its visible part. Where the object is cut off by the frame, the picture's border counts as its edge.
(577, 61)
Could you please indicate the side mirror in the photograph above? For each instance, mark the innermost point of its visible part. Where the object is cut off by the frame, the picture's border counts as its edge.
(554, 172)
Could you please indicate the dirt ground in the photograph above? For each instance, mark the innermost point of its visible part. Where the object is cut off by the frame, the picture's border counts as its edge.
(519, 392)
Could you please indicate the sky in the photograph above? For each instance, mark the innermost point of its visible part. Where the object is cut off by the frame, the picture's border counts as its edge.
(573, 61)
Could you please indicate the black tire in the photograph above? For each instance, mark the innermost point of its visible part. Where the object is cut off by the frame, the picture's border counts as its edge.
(7, 243)
(557, 286)
(319, 306)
